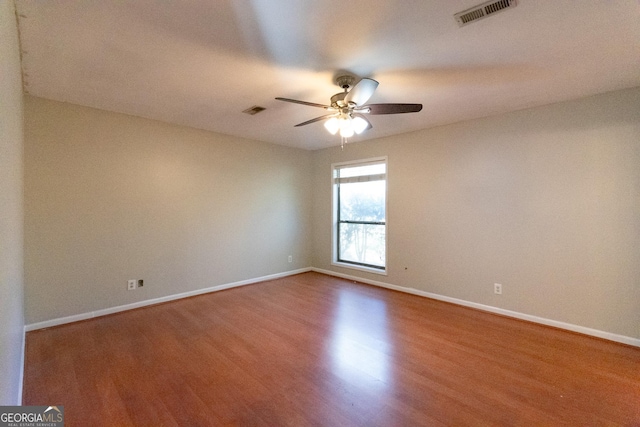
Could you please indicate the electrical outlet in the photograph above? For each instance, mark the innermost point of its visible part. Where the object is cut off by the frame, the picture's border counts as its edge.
(131, 284)
(140, 283)
(497, 288)
(290, 258)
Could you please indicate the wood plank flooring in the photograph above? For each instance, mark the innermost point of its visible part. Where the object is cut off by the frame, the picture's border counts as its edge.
(315, 350)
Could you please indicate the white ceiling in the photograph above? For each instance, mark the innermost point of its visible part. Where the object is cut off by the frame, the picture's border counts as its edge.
(199, 63)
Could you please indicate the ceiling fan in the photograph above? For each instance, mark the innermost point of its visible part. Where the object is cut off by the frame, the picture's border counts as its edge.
(348, 108)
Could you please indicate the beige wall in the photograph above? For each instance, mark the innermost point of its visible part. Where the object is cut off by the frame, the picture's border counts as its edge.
(544, 201)
(110, 197)
(11, 210)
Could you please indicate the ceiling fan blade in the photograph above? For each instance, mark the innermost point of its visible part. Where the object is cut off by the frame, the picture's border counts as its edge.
(391, 108)
(361, 92)
(317, 119)
(311, 104)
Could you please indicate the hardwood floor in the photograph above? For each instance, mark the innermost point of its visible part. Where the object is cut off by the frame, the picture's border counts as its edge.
(316, 350)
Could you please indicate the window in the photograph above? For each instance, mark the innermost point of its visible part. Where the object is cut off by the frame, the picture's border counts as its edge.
(359, 194)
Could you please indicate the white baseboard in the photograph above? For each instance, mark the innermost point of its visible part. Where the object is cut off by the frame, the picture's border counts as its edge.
(522, 316)
(111, 310)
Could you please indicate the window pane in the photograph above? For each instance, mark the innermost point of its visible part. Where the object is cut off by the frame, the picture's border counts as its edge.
(362, 201)
(362, 170)
(362, 243)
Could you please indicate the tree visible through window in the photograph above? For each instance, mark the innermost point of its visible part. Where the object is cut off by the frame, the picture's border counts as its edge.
(360, 209)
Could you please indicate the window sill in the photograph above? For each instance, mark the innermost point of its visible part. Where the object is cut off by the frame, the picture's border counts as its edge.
(360, 268)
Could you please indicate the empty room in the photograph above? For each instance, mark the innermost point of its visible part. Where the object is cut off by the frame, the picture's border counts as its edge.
(327, 213)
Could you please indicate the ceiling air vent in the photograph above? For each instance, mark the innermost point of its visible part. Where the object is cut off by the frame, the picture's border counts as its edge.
(254, 110)
(482, 11)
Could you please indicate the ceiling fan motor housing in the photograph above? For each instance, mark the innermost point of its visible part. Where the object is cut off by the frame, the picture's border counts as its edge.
(337, 100)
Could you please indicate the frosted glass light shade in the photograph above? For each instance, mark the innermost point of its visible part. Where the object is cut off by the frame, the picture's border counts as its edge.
(359, 125)
(346, 132)
(332, 125)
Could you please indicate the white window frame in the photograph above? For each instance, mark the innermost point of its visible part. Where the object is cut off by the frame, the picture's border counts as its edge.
(334, 212)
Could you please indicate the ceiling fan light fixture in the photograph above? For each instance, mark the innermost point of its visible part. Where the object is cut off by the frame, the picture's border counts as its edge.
(332, 125)
(346, 126)
(346, 132)
(359, 125)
